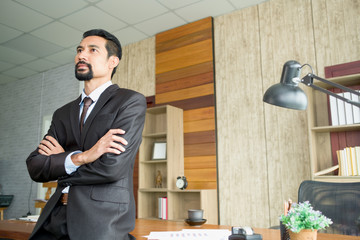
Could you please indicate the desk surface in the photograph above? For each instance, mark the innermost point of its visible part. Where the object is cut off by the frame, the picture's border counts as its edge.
(20, 230)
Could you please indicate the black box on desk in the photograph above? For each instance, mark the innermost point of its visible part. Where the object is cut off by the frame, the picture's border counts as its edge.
(245, 237)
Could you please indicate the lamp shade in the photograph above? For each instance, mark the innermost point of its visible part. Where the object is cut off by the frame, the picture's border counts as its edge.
(287, 93)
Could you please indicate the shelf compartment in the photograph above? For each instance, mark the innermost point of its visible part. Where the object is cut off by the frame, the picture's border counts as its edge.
(337, 178)
(340, 128)
(344, 80)
(149, 171)
(323, 136)
(148, 206)
(155, 121)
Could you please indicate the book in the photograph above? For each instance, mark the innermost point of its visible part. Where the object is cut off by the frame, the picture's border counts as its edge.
(160, 207)
(348, 109)
(349, 161)
(333, 111)
(164, 205)
(341, 110)
(327, 170)
(356, 110)
(163, 208)
(357, 157)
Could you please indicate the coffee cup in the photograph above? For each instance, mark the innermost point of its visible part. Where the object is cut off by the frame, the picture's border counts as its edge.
(195, 214)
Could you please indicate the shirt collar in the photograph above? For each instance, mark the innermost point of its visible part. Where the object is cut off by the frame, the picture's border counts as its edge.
(95, 95)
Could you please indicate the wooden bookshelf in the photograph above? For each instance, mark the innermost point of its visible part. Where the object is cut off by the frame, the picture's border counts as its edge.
(322, 148)
(165, 124)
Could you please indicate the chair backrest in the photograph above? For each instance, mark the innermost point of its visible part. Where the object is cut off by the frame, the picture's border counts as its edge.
(5, 200)
(338, 201)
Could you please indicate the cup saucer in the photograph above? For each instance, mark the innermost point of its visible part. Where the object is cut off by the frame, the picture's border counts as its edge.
(195, 222)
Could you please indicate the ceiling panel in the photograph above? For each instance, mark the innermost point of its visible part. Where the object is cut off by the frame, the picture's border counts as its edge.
(5, 65)
(8, 33)
(128, 35)
(14, 56)
(63, 57)
(160, 23)
(174, 4)
(59, 33)
(245, 3)
(54, 8)
(132, 11)
(19, 72)
(32, 45)
(20, 17)
(93, 17)
(37, 35)
(40, 65)
(204, 9)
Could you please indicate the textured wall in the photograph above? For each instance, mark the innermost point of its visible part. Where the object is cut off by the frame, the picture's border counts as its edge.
(23, 105)
(263, 150)
(136, 69)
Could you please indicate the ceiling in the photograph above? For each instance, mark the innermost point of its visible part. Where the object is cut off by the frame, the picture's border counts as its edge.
(38, 35)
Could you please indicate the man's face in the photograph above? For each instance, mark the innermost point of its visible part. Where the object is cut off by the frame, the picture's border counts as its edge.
(91, 60)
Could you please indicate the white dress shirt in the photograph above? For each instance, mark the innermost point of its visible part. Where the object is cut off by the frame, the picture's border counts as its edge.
(70, 167)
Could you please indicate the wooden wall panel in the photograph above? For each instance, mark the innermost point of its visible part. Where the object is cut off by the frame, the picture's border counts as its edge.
(136, 69)
(271, 155)
(336, 30)
(185, 79)
(285, 36)
(242, 163)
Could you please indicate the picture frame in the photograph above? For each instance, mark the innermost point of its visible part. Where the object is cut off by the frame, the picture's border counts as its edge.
(159, 151)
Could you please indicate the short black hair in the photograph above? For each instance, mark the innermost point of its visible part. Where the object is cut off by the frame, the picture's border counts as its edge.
(112, 45)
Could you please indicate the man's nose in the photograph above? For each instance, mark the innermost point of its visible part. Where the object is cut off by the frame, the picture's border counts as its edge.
(82, 55)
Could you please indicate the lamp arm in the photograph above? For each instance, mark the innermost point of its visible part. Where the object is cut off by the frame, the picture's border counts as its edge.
(309, 81)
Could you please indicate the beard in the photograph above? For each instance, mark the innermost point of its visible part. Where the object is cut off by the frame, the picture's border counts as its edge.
(81, 74)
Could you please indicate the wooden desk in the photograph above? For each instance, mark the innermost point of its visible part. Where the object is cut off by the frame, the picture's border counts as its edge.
(20, 230)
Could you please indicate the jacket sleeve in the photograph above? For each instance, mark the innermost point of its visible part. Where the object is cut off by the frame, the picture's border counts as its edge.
(43, 168)
(112, 167)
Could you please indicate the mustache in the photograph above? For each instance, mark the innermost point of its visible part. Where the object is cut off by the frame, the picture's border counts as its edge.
(83, 62)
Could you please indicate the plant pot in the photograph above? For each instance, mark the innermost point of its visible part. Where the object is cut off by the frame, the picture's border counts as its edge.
(305, 234)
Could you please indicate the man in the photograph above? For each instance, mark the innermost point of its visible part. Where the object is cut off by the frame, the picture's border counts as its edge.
(85, 152)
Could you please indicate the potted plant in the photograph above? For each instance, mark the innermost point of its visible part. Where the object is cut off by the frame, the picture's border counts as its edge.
(302, 219)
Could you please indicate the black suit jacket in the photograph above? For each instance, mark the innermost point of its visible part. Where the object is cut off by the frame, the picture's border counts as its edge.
(100, 203)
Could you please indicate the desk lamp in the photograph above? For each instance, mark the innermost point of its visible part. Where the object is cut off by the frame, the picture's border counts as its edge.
(287, 94)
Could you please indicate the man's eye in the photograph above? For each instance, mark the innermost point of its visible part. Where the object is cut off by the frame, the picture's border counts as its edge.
(78, 50)
(93, 50)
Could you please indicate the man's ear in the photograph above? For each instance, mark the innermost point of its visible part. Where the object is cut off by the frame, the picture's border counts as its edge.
(113, 61)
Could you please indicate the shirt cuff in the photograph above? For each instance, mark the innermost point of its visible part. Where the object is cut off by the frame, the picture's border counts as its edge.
(70, 167)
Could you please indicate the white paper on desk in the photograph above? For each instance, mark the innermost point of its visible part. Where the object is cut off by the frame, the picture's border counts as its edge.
(191, 234)
(30, 218)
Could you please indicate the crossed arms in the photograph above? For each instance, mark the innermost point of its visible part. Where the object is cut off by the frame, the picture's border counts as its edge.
(109, 143)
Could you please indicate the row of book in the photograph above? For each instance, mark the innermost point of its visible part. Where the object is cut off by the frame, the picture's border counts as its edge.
(163, 208)
(343, 113)
(349, 161)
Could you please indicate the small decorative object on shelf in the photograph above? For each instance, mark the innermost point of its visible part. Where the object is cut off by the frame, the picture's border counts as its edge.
(181, 182)
(159, 151)
(158, 182)
(302, 220)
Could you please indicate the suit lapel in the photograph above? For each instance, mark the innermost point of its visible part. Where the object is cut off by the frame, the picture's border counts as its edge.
(74, 120)
(104, 97)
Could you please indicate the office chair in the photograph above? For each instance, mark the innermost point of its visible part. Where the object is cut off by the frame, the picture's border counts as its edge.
(338, 201)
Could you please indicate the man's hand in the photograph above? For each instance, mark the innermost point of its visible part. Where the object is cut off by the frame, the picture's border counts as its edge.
(49, 146)
(109, 143)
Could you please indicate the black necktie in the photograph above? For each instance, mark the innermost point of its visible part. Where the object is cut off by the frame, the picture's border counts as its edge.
(87, 103)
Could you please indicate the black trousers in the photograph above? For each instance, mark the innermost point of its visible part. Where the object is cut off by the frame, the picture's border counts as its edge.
(55, 227)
